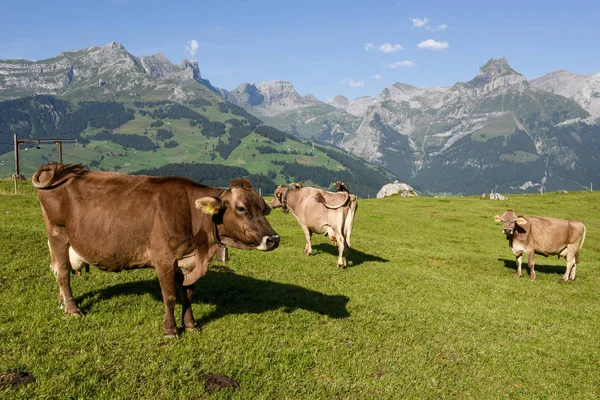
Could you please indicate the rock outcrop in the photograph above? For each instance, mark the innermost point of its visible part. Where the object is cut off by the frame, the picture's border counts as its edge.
(269, 98)
(396, 188)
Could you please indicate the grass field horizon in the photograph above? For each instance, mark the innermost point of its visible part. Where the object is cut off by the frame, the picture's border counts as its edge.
(428, 308)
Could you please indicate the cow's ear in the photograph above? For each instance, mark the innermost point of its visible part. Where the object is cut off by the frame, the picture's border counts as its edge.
(521, 221)
(498, 218)
(210, 205)
(267, 208)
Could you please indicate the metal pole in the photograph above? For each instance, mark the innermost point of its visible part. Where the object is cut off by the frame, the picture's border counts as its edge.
(17, 168)
(59, 144)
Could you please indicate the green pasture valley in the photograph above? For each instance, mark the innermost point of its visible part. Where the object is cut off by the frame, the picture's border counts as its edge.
(428, 308)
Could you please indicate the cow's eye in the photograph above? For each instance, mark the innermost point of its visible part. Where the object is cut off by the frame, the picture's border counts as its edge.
(240, 209)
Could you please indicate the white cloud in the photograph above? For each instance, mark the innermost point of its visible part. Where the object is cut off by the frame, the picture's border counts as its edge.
(419, 23)
(389, 48)
(401, 64)
(426, 23)
(353, 83)
(433, 45)
(369, 46)
(377, 76)
(191, 48)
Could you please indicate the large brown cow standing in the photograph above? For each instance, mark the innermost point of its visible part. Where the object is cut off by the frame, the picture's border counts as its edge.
(545, 236)
(323, 212)
(172, 224)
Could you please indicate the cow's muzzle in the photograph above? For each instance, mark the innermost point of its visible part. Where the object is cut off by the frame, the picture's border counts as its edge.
(507, 231)
(269, 243)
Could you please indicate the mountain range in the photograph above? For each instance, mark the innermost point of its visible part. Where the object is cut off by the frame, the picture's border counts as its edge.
(497, 131)
(147, 115)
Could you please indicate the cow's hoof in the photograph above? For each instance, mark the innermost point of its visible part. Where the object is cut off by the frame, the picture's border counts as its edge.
(192, 327)
(76, 314)
(517, 276)
(561, 280)
(341, 266)
(172, 334)
(532, 278)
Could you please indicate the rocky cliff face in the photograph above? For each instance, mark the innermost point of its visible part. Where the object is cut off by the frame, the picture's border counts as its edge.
(269, 98)
(105, 71)
(585, 90)
(356, 107)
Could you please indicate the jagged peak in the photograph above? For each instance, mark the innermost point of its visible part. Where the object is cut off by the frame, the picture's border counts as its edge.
(189, 63)
(245, 87)
(160, 57)
(340, 98)
(114, 45)
(339, 101)
(274, 84)
(496, 67)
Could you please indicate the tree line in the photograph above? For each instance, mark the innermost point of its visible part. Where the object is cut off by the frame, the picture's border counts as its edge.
(212, 175)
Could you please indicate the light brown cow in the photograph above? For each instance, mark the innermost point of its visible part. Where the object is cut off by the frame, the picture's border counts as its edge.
(319, 211)
(545, 236)
(171, 224)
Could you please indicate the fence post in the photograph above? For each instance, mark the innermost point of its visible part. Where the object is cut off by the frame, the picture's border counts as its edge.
(17, 167)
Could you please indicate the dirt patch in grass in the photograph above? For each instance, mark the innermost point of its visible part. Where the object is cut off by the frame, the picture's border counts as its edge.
(214, 382)
(15, 378)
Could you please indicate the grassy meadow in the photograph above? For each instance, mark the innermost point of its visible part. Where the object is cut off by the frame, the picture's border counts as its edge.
(428, 308)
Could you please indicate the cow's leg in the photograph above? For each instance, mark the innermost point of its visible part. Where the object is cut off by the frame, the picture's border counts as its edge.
(571, 265)
(531, 264)
(573, 271)
(61, 267)
(187, 316)
(342, 248)
(519, 263)
(307, 235)
(166, 279)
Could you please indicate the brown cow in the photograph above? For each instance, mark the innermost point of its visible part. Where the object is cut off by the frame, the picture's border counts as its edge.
(171, 224)
(545, 236)
(316, 210)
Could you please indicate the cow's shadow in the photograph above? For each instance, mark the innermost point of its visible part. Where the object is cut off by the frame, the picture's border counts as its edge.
(233, 294)
(355, 257)
(546, 269)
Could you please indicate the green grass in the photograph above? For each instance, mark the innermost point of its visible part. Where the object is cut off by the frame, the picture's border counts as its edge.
(519, 156)
(502, 126)
(429, 308)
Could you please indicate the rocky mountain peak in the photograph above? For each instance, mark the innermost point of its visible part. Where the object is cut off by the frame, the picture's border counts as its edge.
(114, 45)
(339, 101)
(497, 70)
(110, 67)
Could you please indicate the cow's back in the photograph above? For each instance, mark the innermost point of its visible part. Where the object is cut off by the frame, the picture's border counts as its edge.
(116, 220)
(549, 235)
(314, 213)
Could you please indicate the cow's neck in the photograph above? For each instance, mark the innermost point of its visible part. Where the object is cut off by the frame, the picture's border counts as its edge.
(214, 224)
(285, 201)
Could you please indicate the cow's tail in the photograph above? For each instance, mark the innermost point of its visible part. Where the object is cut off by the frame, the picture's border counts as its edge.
(580, 244)
(333, 200)
(55, 174)
(349, 220)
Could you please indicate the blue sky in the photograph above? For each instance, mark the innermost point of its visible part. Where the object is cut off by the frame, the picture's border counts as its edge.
(354, 48)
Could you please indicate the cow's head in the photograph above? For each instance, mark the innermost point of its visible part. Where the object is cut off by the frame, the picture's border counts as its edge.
(239, 217)
(279, 197)
(510, 222)
(341, 187)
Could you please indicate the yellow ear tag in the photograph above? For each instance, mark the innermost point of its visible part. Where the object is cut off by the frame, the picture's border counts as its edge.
(210, 209)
